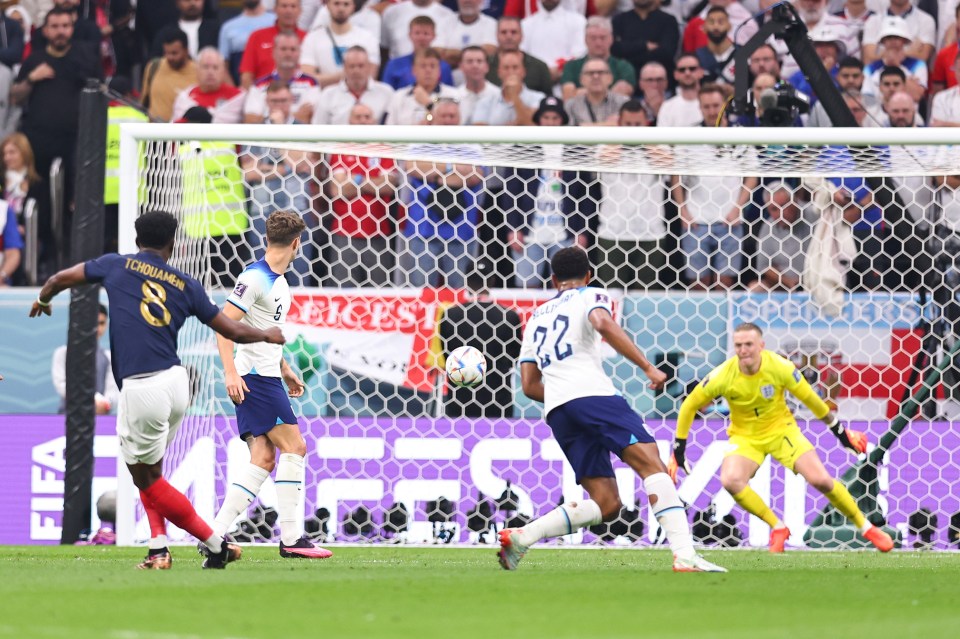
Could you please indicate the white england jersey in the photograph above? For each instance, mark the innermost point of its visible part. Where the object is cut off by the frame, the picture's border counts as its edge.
(265, 298)
(562, 342)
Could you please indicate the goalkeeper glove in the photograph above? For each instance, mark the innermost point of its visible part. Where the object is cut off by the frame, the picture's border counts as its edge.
(678, 459)
(852, 439)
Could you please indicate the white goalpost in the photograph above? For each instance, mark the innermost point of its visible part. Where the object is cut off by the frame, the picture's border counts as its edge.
(841, 243)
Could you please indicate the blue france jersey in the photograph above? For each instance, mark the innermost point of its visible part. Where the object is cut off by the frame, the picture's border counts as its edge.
(562, 342)
(149, 302)
(265, 298)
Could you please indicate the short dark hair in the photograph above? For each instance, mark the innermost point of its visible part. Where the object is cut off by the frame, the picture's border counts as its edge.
(429, 52)
(632, 106)
(474, 47)
(155, 229)
(571, 263)
(766, 45)
(687, 55)
(715, 9)
(57, 10)
(102, 308)
(711, 87)
(851, 62)
(283, 227)
(422, 21)
(171, 34)
(276, 86)
(747, 326)
(891, 70)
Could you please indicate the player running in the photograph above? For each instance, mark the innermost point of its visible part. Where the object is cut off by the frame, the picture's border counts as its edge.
(265, 418)
(761, 424)
(560, 366)
(149, 302)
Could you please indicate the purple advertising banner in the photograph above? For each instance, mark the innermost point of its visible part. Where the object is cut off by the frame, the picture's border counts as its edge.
(377, 463)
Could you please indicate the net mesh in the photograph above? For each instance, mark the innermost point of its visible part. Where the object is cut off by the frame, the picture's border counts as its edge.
(845, 255)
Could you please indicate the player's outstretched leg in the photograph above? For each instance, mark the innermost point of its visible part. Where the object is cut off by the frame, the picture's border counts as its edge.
(778, 539)
(880, 539)
(562, 520)
(511, 550)
(240, 494)
(218, 559)
(158, 554)
(672, 517)
(176, 508)
(841, 499)
(293, 543)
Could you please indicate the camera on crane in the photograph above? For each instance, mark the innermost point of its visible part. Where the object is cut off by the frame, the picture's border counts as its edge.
(781, 105)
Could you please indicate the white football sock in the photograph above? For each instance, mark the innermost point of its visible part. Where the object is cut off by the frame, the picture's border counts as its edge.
(158, 542)
(289, 483)
(563, 520)
(239, 495)
(214, 543)
(670, 513)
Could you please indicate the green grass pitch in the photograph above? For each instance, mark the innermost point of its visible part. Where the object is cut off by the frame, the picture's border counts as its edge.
(397, 592)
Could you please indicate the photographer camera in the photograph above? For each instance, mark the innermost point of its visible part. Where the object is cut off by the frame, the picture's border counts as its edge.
(781, 105)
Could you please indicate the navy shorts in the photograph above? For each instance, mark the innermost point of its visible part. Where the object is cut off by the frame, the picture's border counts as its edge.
(265, 406)
(588, 429)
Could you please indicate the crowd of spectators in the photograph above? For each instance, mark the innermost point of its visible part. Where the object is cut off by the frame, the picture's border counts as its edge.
(482, 62)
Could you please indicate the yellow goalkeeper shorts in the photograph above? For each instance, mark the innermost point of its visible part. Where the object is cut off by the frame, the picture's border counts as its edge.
(785, 446)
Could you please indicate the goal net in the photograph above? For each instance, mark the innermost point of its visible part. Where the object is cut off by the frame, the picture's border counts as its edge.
(841, 244)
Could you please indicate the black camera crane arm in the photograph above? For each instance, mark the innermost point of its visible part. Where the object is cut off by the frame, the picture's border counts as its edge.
(784, 24)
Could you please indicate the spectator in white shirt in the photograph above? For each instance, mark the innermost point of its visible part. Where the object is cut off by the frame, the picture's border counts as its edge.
(554, 35)
(396, 24)
(469, 27)
(683, 109)
(323, 49)
(305, 88)
(474, 66)
(366, 17)
(514, 104)
(922, 27)
(411, 106)
(895, 41)
(357, 87)
(814, 13)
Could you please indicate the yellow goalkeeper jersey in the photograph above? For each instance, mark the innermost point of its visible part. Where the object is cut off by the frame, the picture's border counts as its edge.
(758, 408)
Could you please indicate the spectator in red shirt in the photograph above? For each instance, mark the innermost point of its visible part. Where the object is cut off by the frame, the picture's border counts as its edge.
(942, 76)
(257, 58)
(361, 190)
(222, 100)
(523, 8)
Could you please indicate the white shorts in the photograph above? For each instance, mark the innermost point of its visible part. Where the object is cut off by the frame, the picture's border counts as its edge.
(149, 414)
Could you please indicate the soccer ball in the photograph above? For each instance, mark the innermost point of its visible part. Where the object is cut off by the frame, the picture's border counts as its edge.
(466, 367)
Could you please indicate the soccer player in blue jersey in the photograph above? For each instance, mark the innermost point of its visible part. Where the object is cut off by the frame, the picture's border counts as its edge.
(255, 379)
(149, 302)
(560, 366)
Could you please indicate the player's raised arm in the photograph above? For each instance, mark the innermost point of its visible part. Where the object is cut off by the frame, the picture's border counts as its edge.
(692, 404)
(243, 334)
(603, 323)
(61, 281)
